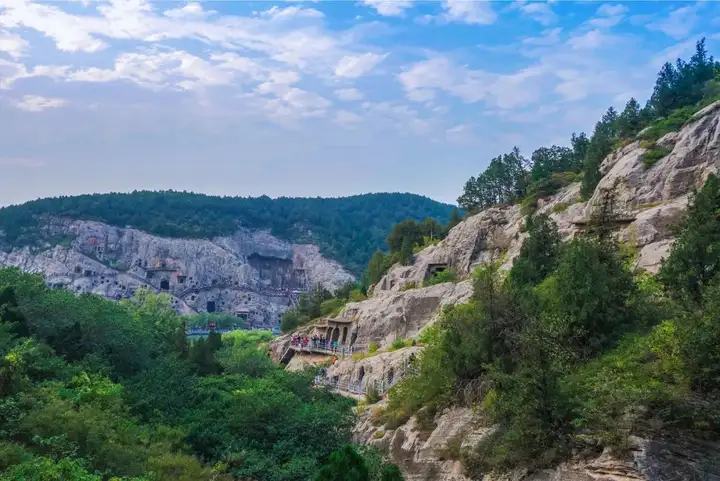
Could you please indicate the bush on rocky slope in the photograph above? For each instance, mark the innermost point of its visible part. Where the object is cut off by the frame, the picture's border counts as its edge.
(590, 350)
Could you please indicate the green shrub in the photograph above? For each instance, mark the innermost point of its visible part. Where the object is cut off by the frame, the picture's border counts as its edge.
(372, 395)
(448, 275)
(397, 344)
(671, 123)
(653, 154)
(408, 285)
(372, 348)
(356, 295)
(332, 307)
(560, 207)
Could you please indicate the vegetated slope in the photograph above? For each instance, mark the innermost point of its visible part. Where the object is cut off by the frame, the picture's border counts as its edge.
(348, 229)
(92, 390)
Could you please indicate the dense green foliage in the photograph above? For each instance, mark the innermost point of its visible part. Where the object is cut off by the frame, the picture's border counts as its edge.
(573, 346)
(348, 229)
(92, 390)
(680, 91)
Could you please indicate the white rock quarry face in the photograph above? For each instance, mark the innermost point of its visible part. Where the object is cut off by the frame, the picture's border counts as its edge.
(250, 273)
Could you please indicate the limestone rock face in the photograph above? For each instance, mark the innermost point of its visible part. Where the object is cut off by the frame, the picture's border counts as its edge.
(432, 455)
(656, 197)
(250, 274)
(400, 315)
(380, 370)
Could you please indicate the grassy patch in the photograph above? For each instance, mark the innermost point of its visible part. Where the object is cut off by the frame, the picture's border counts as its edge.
(448, 275)
(560, 207)
(671, 123)
(379, 434)
(649, 205)
(408, 285)
(653, 154)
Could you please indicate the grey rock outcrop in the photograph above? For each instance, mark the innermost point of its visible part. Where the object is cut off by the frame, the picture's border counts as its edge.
(251, 274)
(434, 455)
(655, 198)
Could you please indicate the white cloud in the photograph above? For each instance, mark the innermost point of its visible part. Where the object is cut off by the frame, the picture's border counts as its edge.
(470, 11)
(353, 66)
(608, 15)
(278, 13)
(37, 103)
(679, 23)
(137, 20)
(13, 45)
(401, 117)
(11, 72)
(541, 12)
(590, 40)
(389, 8)
(608, 10)
(191, 11)
(461, 133)
(550, 36)
(422, 79)
(345, 117)
(348, 95)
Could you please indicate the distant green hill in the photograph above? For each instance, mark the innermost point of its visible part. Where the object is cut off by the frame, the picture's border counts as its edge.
(348, 229)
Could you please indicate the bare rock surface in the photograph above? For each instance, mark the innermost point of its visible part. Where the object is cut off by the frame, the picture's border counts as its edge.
(251, 274)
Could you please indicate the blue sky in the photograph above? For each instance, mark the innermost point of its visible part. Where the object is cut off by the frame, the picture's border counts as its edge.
(315, 98)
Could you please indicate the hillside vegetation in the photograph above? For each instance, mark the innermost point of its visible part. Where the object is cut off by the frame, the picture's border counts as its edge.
(573, 350)
(348, 229)
(680, 90)
(96, 390)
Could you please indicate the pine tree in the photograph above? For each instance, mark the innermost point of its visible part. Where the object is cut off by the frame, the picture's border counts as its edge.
(629, 122)
(406, 252)
(694, 261)
(455, 219)
(539, 252)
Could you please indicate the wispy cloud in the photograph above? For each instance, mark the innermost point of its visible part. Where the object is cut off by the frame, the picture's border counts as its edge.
(38, 103)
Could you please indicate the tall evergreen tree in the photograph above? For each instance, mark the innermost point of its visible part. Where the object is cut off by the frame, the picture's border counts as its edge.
(601, 144)
(539, 252)
(629, 122)
(694, 261)
(455, 219)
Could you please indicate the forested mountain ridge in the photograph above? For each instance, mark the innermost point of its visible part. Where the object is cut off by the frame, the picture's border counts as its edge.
(347, 229)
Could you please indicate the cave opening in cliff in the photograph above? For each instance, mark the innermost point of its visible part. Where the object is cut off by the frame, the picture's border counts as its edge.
(165, 285)
(361, 373)
(391, 376)
(181, 279)
(210, 306)
(435, 269)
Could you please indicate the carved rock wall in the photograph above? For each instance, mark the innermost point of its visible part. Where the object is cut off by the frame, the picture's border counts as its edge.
(250, 274)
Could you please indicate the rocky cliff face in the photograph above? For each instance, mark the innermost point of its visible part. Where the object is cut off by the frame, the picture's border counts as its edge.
(252, 274)
(651, 202)
(435, 455)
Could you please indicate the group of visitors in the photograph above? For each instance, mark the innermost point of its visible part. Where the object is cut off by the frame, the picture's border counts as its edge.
(318, 342)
